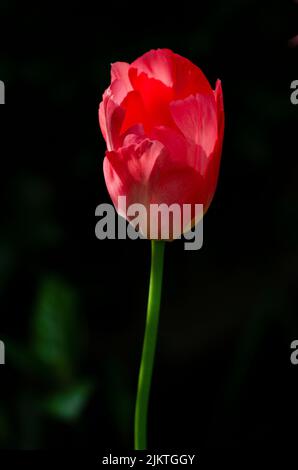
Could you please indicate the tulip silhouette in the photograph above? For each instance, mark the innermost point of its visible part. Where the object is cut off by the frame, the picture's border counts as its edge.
(163, 125)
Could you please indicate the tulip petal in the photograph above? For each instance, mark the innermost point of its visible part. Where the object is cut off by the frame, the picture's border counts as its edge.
(212, 172)
(173, 141)
(174, 71)
(176, 184)
(146, 173)
(197, 119)
(155, 97)
(220, 109)
(119, 71)
(156, 64)
(189, 79)
(133, 107)
(111, 117)
(127, 170)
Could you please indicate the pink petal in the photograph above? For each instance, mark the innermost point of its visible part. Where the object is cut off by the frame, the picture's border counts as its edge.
(156, 64)
(197, 119)
(155, 97)
(127, 171)
(220, 109)
(174, 71)
(111, 116)
(214, 161)
(147, 173)
(189, 79)
(176, 184)
(174, 141)
(134, 111)
(119, 71)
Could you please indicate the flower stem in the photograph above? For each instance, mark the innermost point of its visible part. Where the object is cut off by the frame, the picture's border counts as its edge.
(149, 345)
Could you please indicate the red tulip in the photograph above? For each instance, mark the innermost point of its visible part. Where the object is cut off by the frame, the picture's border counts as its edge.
(163, 126)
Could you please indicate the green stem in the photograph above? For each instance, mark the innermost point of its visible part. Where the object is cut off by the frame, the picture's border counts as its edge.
(149, 344)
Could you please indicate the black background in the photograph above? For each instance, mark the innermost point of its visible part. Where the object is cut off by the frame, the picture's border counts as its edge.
(73, 307)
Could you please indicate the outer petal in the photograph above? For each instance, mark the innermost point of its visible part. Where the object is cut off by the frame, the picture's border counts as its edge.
(119, 71)
(175, 143)
(155, 97)
(196, 118)
(174, 71)
(148, 173)
(127, 171)
(133, 107)
(111, 114)
(214, 161)
(220, 110)
(156, 64)
(189, 79)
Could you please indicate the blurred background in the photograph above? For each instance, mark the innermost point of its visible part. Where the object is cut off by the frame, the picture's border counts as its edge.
(73, 307)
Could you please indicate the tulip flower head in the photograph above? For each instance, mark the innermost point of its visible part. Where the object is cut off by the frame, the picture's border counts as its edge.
(163, 125)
